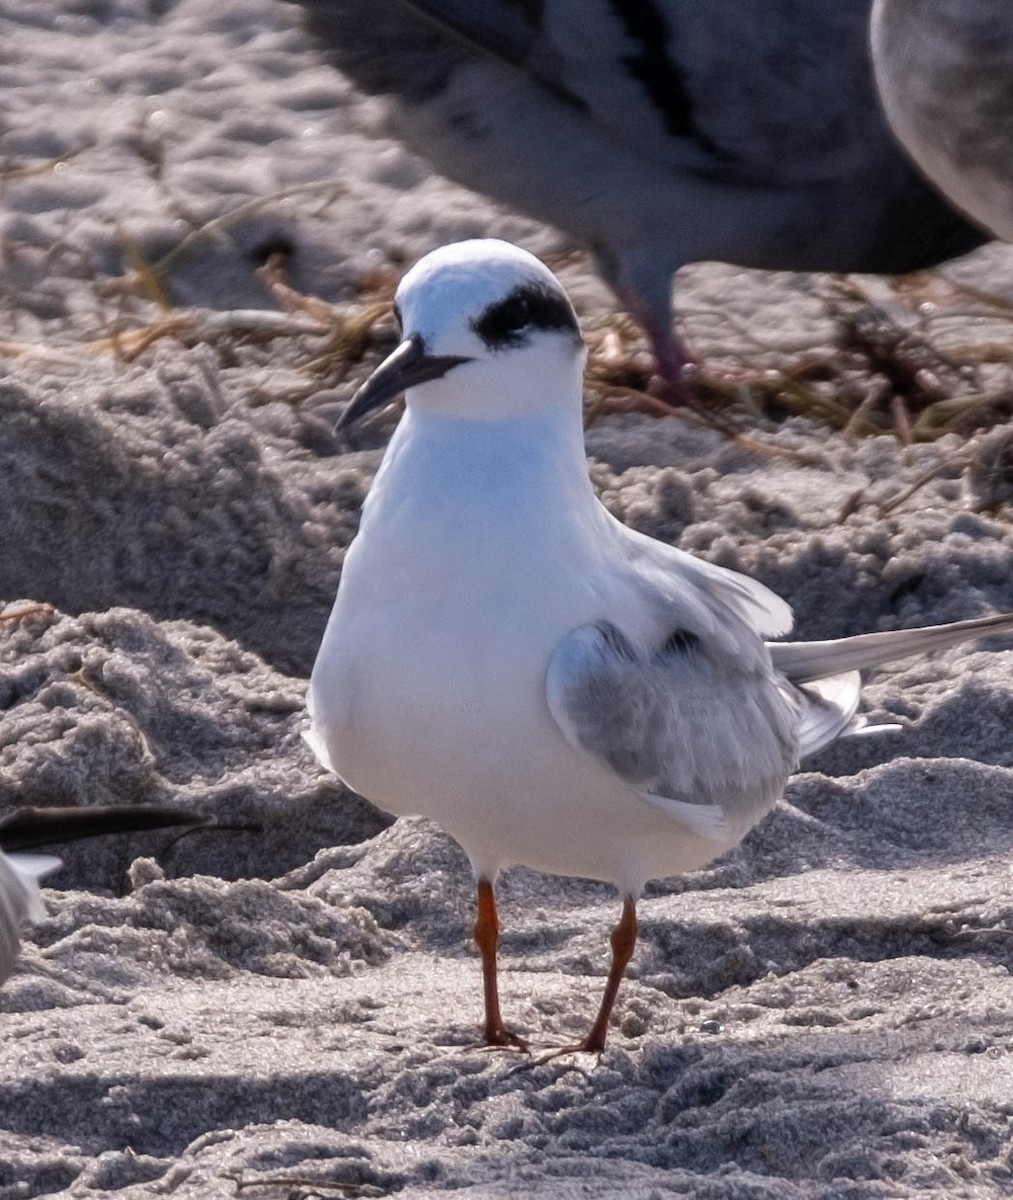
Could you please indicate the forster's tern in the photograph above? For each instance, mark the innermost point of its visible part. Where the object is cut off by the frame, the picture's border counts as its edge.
(657, 133)
(508, 659)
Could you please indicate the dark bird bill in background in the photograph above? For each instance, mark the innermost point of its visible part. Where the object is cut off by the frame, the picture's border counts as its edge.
(28, 829)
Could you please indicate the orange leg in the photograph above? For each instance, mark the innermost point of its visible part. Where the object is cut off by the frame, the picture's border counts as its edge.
(624, 938)
(495, 1032)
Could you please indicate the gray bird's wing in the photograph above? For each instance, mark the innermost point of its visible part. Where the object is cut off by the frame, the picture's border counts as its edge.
(827, 673)
(698, 734)
(725, 605)
(658, 131)
(777, 94)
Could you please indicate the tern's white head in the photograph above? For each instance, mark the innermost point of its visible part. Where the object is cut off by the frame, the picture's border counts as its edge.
(488, 334)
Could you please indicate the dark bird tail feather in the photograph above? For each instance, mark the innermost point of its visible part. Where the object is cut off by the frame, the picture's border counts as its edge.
(29, 828)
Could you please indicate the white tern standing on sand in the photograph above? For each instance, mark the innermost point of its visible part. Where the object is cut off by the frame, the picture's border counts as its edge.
(505, 657)
(657, 132)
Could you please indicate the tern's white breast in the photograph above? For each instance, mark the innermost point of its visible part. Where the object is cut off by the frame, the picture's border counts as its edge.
(428, 696)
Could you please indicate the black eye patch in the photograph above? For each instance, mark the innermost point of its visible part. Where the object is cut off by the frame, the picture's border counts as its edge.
(530, 307)
(397, 318)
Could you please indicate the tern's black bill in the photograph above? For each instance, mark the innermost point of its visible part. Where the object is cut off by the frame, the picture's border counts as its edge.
(407, 367)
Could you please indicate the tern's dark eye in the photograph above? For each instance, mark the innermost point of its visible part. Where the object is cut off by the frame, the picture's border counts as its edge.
(514, 314)
(397, 318)
(527, 308)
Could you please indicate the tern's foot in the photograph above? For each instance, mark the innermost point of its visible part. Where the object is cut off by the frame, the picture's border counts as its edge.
(504, 1039)
(674, 393)
(587, 1045)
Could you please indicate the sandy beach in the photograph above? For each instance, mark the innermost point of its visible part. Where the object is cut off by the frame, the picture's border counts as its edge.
(288, 1005)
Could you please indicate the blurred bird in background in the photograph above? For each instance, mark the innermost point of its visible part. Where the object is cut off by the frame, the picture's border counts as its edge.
(944, 69)
(657, 132)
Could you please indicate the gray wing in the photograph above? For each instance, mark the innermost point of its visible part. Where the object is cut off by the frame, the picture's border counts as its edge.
(702, 737)
(827, 673)
(19, 901)
(728, 607)
(829, 708)
(776, 94)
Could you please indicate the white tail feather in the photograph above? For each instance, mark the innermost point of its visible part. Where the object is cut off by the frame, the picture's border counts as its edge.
(804, 662)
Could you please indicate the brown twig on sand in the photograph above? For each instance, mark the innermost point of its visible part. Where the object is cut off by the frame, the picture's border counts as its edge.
(147, 279)
(33, 610)
(347, 343)
(851, 505)
(190, 326)
(901, 420)
(1002, 303)
(938, 418)
(614, 373)
(617, 399)
(875, 394)
(310, 1184)
(15, 174)
(221, 224)
(272, 275)
(983, 352)
(962, 457)
(349, 328)
(915, 368)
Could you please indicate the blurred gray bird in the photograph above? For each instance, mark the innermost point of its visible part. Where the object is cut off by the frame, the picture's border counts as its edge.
(658, 132)
(29, 828)
(944, 69)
